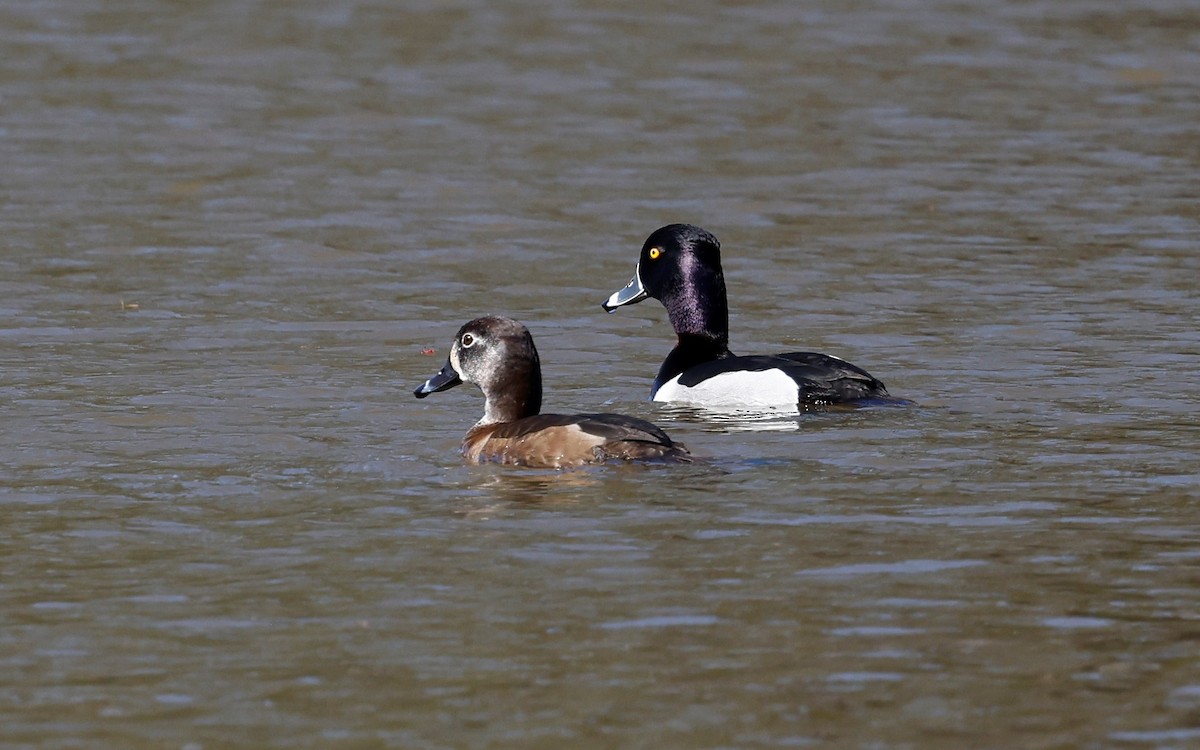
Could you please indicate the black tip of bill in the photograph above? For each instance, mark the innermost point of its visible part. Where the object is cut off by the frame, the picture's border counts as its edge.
(447, 377)
(631, 293)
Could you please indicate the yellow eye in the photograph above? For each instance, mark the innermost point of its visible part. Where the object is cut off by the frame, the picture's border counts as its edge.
(655, 252)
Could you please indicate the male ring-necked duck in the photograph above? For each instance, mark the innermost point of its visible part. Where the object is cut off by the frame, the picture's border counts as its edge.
(498, 355)
(680, 266)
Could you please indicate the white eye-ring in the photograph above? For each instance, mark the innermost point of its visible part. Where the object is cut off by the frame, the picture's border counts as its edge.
(467, 341)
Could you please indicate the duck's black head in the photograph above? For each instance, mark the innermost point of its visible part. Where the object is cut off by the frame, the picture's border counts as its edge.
(680, 266)
(498, 355)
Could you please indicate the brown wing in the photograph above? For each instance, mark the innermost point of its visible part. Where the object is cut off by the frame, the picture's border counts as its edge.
(560, 440)
(632, 439)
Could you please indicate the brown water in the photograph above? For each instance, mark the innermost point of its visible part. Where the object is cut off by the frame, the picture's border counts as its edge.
(228, 231)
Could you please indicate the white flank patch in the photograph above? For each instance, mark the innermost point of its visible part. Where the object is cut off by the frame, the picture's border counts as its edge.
(737, 389)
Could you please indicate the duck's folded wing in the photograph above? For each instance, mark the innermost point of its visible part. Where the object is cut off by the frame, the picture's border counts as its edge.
(829, 379)
(622, 427)
(820, 377)
(571, 439)
(631, 439)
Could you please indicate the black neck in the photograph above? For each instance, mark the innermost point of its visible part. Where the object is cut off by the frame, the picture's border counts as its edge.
(691, 350)
(698, 308)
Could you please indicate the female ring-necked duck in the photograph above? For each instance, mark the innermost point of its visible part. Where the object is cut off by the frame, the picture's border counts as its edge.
(498, 355)
(680, 266)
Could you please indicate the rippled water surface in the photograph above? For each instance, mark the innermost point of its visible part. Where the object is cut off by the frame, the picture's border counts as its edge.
(233, 231)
